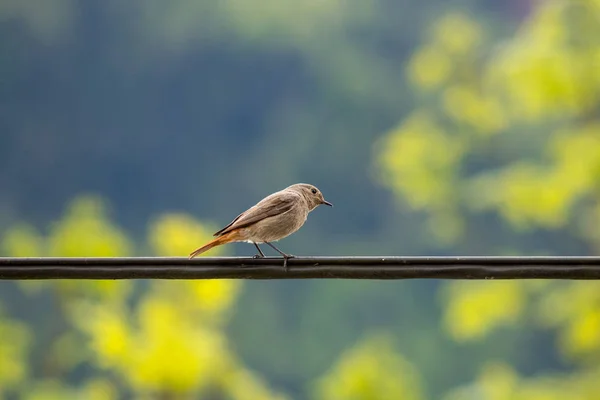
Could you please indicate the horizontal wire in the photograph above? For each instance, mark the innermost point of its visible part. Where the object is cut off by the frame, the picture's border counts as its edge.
(302, 268)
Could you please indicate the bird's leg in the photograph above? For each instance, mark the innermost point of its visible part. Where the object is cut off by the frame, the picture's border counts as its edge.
(279, 251)
(285, 256)
(260, 253)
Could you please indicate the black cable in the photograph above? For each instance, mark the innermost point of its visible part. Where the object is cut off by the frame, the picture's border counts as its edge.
(303, 268)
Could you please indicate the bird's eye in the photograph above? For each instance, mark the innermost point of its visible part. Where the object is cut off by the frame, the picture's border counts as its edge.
(314, 191)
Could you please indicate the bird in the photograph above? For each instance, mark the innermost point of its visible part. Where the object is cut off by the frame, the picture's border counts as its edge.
(271, 219)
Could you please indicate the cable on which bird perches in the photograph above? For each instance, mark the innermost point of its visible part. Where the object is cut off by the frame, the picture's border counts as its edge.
(302, 268)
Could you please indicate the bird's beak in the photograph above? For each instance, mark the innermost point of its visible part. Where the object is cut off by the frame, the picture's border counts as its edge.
(327, 203)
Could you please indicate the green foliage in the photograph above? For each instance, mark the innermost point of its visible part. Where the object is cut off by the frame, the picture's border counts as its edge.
(536, 77)
(371, 370)
(524, 114)
(165, 338)
(98, 389)
(499, 381)
(84, 230)
(473, 310)
(206, 106)
(22, 240)
(15, 341)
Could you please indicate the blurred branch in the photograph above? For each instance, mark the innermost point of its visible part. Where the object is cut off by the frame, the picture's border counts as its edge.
(303, 268)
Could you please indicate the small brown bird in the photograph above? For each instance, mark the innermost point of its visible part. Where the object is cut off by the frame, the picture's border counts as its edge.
(273, 218)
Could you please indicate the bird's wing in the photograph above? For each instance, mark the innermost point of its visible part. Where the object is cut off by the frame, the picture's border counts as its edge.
(275, 204)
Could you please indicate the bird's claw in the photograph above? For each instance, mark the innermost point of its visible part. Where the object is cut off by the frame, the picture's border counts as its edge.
(285, 259)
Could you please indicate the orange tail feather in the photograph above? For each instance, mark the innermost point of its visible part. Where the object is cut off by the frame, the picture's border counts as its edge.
(227, 238)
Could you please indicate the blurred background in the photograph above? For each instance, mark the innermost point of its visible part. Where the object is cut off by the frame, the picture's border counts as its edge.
(140, 127)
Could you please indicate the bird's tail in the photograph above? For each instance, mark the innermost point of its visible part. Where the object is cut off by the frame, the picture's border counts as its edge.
(224, 239)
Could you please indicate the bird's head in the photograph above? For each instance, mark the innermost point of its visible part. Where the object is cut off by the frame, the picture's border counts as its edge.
(311, 194)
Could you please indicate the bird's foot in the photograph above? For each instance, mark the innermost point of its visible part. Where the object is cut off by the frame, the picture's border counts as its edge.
(286, 257)
(258, 256)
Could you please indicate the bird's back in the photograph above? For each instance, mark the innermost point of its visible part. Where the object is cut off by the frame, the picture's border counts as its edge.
(277, 227)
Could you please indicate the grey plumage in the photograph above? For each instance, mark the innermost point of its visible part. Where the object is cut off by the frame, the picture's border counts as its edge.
(273, 218)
